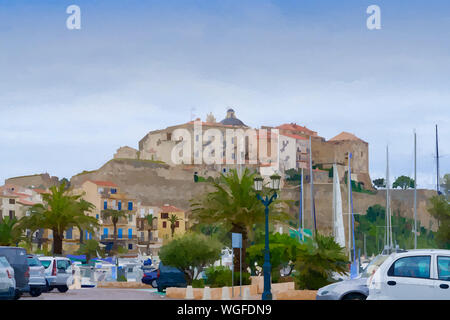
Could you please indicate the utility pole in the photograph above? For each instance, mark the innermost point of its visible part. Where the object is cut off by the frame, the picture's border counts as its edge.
(311, 187)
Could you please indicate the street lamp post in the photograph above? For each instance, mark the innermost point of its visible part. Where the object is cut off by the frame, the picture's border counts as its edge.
(266, 201)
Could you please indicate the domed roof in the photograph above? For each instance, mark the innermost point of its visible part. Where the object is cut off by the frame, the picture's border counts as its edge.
(231, 119)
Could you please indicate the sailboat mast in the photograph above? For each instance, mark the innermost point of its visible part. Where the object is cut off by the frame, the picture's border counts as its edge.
(349, 184)
(415, 190)
(387, 198)
(437, 162)
(311, 186)
(302, 204)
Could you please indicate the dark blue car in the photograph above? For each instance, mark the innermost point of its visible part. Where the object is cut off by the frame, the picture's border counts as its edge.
(168, 276)
(150, 276)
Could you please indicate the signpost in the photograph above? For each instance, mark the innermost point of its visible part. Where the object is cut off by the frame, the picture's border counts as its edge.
(237, 243)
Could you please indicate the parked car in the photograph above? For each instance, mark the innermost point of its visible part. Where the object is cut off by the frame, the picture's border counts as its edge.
(7, 281)
(37, 281)
(168, 276)
(150, 276)
(422, 274)
(351, 289)
(58, 273)
(17, 259)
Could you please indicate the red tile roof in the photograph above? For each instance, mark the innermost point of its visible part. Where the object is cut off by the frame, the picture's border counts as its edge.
(168, 208)
(104, 183)
(26, 202)
(296, 127)
(293, 136)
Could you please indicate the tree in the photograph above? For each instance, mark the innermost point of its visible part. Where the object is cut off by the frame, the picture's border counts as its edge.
(150, 218)
(446, 185)
(60, 211)
(283, 253)
(10, 232)
(379, 183)
(90, 248)
(317, 260)
(440, 209)
(403, 182)
(84, 222)
(115, 215)
(173, 219)
(190, 253)
(233, 204)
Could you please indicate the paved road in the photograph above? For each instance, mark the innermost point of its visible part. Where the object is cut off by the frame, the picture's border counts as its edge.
(100, 294)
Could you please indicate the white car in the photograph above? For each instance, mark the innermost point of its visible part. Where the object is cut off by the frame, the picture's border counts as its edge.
(422, 274)
(58, 273)
(7, 280)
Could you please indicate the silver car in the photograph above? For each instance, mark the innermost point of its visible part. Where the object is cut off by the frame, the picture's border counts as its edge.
(37, 276)
(58, 273)
(7, 281)
(351, 289)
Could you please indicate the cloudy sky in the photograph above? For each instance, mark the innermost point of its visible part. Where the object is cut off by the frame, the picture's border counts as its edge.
(70, 98)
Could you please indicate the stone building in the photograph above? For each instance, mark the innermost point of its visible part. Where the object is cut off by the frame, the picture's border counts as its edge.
(126, 152)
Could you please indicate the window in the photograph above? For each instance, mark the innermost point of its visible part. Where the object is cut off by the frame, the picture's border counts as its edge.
(130, 247)
(164, 215)
(119, 231)
(69, 233)
(120, 205)
(97, 216)
(62, 264)
(33, 262)
(12, 201)
(130, 205)
(413, 267)
(130, 233)
(100, 190)
(105, 232)
(105, 205)
(177, 224)
(164, 224)
(46, 263)
(12, 214)
(443, 268)
(113, 191)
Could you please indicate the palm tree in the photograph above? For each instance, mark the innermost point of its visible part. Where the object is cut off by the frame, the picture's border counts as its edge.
(90, 249)
(61, 210)
(10, 232)
(83, 221)
(317, 260)
(233, 205)
(115, 215)
(150, 218)
(173, 219)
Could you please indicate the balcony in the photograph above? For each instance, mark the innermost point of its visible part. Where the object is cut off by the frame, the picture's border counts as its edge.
(110, 237)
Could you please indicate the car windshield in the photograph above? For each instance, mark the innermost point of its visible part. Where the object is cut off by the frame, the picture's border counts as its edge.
(374, 265)
(46, 263)
(33, 262)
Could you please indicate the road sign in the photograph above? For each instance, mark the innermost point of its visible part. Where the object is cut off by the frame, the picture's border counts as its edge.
(236, 240)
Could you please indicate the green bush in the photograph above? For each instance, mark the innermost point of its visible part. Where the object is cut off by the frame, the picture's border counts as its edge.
(217, 277)
(122, 278)
(198, 283)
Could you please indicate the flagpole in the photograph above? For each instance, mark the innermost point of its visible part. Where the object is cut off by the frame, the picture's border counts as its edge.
(349, 185)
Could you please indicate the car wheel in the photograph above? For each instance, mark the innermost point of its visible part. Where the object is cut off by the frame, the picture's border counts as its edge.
(62, 289)
(354, 296)
(35, 292)
(154, 284)
(160, 289)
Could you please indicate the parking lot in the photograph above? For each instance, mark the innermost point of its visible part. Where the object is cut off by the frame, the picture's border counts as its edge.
(100, 294)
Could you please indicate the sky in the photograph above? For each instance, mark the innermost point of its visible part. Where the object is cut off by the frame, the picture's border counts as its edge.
(70, 98)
